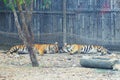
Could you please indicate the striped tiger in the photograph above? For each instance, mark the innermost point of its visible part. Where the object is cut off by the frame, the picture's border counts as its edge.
(40, 48)
(77, 48)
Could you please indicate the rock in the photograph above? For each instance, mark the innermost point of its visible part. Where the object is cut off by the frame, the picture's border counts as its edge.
(98, 62)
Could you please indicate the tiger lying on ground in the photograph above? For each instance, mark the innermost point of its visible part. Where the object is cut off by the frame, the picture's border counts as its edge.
(40, 48)
(77, 48)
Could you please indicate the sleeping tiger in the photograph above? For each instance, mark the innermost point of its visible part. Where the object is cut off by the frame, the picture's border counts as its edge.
(40, 48)
(77, 48)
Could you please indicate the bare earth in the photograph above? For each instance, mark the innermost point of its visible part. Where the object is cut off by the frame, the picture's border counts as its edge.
(52, 67)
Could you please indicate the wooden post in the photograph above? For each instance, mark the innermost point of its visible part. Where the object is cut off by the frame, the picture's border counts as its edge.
(64, 21)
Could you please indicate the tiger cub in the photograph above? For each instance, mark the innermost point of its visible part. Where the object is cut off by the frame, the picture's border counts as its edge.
(77, 48)
(40, 48)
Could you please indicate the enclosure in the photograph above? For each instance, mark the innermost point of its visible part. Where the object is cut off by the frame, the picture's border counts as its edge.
(95, 22)
(72, 21)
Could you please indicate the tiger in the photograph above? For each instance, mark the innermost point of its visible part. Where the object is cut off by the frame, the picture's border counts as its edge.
(39, 48)
(78, 48)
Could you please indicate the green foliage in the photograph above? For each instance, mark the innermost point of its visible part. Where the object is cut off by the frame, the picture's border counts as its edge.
(28, 1)
(21, 2)
(46, 4)
(9, 4)
(12, 3)
(5, 1)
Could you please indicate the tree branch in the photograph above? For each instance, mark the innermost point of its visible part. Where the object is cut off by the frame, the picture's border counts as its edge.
(29, 10)
(18, 24)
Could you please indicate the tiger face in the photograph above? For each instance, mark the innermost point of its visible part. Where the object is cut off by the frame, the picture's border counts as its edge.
(39, 48)
(77, 48)
(65, 48)
(102, 50)
(53, 48)
(71, 48)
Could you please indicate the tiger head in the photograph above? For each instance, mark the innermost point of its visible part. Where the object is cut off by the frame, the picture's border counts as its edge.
(103, 50)
(52, 48)
(65, 48)
(70, 48)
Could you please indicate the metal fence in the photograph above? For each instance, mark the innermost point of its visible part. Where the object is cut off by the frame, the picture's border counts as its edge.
(87, 22)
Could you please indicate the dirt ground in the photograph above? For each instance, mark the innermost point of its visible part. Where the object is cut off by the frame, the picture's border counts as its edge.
(52, 67)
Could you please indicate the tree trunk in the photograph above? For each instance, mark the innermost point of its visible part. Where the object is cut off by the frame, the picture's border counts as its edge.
(25, 33)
